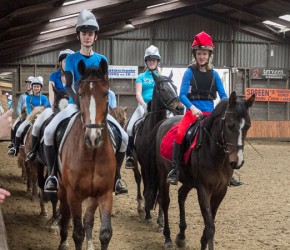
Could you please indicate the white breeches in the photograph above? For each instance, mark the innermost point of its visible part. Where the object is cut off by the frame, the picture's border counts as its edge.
(45, 114)
(138, 114)
(21, 128)
(51, 127)
(16, 121)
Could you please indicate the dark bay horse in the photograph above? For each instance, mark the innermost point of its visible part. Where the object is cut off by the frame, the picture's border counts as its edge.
(164, 99)
(88, 163)
(208, 169)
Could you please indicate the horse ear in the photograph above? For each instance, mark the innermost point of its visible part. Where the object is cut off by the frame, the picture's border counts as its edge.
(125, 109)
(250, 101)
(103, 66)
(171, 75)
(233, 99)
(81, 67)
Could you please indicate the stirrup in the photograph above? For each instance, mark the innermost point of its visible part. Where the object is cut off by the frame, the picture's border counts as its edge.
(11, 152)
(30, 156)
(123, 185)
(173, 180)
(129, 164)
(10, 145)
(46, 187)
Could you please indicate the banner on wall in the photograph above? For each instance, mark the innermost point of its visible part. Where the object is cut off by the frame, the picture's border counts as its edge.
(263, 73)
(123, 72)
(269, 95)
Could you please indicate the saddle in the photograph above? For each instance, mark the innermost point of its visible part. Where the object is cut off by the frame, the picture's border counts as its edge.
(191, 141)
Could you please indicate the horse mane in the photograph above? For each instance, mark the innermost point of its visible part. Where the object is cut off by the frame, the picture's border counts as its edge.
(36, 111)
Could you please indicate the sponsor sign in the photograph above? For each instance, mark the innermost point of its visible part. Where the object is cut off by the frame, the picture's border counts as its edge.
(261, 73)
(123, 72)
(269, 95)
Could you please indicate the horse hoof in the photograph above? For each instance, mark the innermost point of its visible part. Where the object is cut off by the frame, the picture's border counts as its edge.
(180, 242)
(159, 229)
(148, 221)
(43, 214)
(54, 230)
(168, 245)
(63, 246)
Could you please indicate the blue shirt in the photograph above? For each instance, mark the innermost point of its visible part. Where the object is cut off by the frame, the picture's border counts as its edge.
(21, 103)
(112, 99)
(147, 82)
(71, 64)
(55, 77)
(202, 105)
(35, 101)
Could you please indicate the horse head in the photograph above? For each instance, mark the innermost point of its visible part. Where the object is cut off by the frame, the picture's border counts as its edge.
(165, 95)
(93, 89)
(60, 99)
(231, 129)
(119, 113)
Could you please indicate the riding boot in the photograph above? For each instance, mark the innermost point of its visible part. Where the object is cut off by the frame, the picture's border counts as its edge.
(173, 175)
(51, 184)
(12, 139)
(120, 185)
(15, 150)
(130, 162)
(33, 152)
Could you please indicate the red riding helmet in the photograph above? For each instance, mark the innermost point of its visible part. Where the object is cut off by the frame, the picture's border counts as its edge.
(202, 41)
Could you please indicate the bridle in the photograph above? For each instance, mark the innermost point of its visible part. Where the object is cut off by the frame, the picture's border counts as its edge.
(101, 125)
(223, 144)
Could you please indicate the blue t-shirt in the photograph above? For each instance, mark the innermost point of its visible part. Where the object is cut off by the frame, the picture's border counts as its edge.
(35, 101)
(112, 99)
(202, 105)
(56, 78)
(71, 64)
(147, 81)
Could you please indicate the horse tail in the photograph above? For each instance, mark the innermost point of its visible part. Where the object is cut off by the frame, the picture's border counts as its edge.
(151, 191)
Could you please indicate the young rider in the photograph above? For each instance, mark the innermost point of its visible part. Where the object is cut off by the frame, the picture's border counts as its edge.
(144, 91)
(87, 29)
(199, 85)
(34, 100)
(21, 105)
(56, 80)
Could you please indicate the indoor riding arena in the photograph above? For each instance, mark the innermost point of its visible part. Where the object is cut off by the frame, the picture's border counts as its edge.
(252, 57)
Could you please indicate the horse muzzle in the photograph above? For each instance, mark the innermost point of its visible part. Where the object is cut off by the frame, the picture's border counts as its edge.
(93, 138)
(236, 165)
(177, 108)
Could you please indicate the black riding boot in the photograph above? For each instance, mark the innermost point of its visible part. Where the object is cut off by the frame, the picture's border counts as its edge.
(51, 184)
(120, 185)
(130, 162)
(173, 175)
(33, 152)
(15, 150)
(12, 139)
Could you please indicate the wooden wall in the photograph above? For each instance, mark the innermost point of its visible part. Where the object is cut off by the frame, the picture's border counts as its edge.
(269, 130)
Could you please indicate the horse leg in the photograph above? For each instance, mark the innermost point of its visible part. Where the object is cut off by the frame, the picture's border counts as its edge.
(105, 208)
(160, 220)
(78, 230)
(88, 220)
(55, 217)
(64, 219)
(204, 198)
(164, 201)
(182, 195)
(34, 181)
(137, 176)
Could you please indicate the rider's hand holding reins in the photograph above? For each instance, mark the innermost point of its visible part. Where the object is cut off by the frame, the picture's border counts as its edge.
(195, 111)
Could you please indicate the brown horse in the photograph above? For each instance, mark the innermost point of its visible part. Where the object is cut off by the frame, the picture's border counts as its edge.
(209, 167)
(119, 113)
(88, 163)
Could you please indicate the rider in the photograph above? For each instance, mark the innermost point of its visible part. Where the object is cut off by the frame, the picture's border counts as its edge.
(57, 80)
(21, 105)
(34, 100)
(87, 29)
(144, 91)
(199, 85)
(112, 99)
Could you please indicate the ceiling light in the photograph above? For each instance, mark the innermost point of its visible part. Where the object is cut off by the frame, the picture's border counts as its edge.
(129, 25)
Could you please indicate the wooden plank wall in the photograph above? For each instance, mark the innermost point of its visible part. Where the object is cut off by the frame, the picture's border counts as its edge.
(269, 129)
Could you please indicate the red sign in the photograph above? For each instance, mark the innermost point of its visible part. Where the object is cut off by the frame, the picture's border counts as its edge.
(269, 95)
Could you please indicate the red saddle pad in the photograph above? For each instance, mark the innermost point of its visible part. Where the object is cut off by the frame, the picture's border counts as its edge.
(166, 147)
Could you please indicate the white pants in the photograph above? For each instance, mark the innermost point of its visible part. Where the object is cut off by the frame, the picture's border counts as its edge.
(51, 127)
(16, 121)
(21, 128)
(45, 114)
(138, 114)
